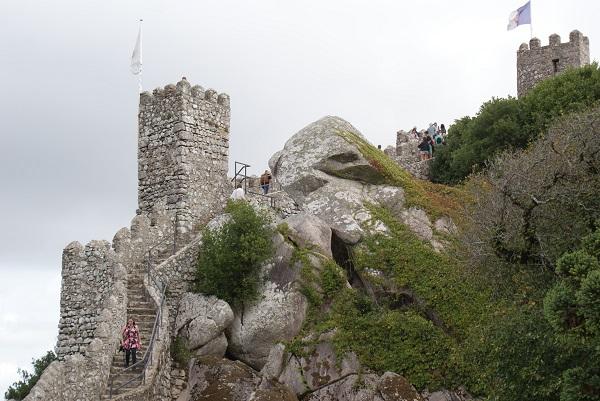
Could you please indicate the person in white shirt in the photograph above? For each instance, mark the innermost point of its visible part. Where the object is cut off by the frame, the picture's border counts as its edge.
(238, 193)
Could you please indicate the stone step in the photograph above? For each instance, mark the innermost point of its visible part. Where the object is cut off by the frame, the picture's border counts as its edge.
(142, 302)
(137, 310)
(141, 311)
(119, 364)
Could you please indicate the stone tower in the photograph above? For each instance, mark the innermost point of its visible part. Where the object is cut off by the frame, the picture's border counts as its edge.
(536, 63)
(183, 148)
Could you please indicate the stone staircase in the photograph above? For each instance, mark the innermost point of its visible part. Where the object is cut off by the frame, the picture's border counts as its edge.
(143, 311)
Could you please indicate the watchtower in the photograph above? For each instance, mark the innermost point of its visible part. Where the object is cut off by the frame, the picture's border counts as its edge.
(536, 63)
(183, 147)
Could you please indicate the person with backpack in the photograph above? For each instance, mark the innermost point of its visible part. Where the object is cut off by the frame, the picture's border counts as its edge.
(265, 181)
(424, 148)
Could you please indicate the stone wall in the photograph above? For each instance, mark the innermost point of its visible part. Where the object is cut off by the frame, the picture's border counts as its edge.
(179, 272)
(88, 275)
(78, 377)
(536, 62)
(406, 154)
(183, 151)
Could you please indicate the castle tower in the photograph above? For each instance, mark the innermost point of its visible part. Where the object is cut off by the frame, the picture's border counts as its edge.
(536, 63)
(183, 146)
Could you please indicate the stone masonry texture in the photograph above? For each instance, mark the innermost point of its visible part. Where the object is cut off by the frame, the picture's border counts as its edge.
(182, 172)
(536, 63)
(87, 281)
(183, 151)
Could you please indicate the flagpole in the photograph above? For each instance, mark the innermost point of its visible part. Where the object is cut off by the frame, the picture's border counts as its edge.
(142, 70)
(530, 22)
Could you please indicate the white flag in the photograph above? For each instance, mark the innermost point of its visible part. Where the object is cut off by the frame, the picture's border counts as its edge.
(520, 16)
(136, 57)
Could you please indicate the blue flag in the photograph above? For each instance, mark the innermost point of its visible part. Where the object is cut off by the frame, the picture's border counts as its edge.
(520, 16)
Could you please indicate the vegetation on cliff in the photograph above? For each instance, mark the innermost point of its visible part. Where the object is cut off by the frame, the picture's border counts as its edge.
(233, 253)
(510, 309)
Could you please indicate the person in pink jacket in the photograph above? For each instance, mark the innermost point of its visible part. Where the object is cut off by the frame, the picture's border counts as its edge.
(131, 341)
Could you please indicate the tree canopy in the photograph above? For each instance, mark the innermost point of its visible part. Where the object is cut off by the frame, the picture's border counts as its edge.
(510, 123)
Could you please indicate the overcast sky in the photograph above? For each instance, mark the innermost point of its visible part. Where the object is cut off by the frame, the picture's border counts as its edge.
(69, 102)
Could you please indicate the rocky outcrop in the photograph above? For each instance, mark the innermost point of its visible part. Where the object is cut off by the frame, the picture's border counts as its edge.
(277, 314)
(212, 378)
(329, 177)
(323, 169)
(309, 231)
(318, 375)
(201, 321)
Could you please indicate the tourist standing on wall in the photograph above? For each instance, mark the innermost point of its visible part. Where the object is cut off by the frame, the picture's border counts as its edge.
(265, 181)
(432, 129)
(424, 148)
(442, 130)
(131, 341)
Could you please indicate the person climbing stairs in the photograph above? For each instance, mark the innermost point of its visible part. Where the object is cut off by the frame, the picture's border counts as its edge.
(143, 311)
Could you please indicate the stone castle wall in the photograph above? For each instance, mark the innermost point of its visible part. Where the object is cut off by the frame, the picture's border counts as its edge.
(183, 162)
(406, 154)
(76, 376)
(88, 276)
(183, 151)
(536, 63)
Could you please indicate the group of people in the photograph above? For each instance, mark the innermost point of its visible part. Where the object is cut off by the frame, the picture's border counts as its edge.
(429, 139)
(264, 182)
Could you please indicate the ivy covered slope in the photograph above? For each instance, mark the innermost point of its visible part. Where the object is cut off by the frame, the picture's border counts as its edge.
(412, 302)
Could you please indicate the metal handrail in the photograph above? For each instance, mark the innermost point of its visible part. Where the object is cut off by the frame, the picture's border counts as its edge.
(244, 178)
(147, 359)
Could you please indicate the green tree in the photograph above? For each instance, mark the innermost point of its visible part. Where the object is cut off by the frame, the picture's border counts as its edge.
(230, 257)
(20, 389)
(509, 123)
(572, 307)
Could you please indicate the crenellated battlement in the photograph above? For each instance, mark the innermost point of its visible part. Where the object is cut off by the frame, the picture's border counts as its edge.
(536, 62)
(183, 87)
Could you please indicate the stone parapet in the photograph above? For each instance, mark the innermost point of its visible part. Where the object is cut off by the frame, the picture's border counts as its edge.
(88, 277)
(536, 62)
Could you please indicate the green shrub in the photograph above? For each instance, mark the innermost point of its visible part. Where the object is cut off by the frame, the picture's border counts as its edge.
(180, 352)
(20, 389)
(230, 258)
(516, 357)
(332, 278)
(509, 123)
(397, 341)
(572, 307)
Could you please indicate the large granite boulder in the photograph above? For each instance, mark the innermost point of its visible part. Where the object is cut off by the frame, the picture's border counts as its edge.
(277, 314)
(201, 320)
(280, 310)
(318, 374)
(212, 378)
(328, 176)
(309, 231)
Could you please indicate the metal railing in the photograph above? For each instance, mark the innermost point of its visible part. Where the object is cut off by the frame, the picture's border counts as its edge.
(241, 177)
(146, 361)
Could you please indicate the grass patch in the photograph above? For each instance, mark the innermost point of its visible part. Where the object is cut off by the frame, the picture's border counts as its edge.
(438, 200)
(180, 353)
